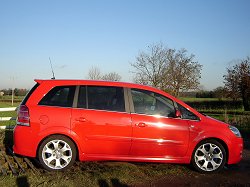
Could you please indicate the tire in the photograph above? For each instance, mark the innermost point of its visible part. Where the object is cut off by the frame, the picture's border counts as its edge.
(209, 156)
(57, 153)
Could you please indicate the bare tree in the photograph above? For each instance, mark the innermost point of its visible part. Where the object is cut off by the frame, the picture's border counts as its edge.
(231, 82)
(113, 76)
(149, 66)
(94, 74)
(167, 69)
(182, 72)
(237, 82)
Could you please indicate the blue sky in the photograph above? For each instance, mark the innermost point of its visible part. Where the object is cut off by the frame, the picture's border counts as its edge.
(78, 35)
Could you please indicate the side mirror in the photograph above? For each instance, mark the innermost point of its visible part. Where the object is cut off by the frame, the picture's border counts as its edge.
(178, 114)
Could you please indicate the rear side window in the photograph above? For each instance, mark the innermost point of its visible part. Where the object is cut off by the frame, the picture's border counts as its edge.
(62, 96)
(101, 98)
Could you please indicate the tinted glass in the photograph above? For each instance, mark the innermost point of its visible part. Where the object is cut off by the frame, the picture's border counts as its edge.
(186, 114)
(150, 103)
(105, 98)
(59, 96)
(82, 98)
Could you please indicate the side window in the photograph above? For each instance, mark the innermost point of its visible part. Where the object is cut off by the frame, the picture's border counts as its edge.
(150, 103)
(105, 98)
(59, 96)
(186, 114)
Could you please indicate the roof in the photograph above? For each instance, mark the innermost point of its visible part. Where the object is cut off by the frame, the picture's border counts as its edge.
(94, 82)
(100, 83)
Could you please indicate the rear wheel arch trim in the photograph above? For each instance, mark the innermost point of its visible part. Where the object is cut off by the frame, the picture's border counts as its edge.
(60, 134)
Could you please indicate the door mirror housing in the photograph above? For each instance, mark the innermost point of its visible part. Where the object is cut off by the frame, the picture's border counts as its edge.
(178, 114)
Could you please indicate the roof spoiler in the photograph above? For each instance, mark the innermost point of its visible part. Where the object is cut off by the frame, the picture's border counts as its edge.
(39, 81)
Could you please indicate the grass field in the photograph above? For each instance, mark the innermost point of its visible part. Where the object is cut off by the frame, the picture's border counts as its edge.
(8, 104)
(9, 97)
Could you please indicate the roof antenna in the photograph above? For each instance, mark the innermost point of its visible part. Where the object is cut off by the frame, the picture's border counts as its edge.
(52, 69)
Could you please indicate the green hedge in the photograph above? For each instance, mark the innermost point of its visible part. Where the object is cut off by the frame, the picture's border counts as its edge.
(216, 105)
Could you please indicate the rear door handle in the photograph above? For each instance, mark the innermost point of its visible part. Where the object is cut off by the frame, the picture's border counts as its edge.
(142, 125)
(81, 119)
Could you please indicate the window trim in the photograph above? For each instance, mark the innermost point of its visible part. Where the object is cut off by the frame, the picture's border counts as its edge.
(75, 101)
(130, 101)
(126, 99)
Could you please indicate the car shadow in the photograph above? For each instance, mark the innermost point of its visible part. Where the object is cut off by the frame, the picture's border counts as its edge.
(22, 181)
(246, 139)
(114, 183)
(8, 140)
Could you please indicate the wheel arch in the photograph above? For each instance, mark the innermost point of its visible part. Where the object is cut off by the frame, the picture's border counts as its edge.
(61, 134)
(222, 142)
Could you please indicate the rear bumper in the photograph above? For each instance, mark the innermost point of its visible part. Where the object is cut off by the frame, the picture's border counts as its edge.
(235, 151)
(24, 141)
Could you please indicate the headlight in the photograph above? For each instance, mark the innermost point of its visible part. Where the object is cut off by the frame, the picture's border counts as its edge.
(235, 130)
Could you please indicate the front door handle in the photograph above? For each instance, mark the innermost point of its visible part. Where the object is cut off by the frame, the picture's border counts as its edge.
(142, 125)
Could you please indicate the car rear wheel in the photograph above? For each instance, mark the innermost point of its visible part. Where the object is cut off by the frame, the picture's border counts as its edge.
(57, 152)
(209, 156)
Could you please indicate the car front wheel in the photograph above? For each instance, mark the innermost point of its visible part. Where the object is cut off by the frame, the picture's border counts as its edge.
(209, 156)
(57, 152)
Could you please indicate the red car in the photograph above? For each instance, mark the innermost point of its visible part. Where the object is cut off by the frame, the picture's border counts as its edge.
(60, 121)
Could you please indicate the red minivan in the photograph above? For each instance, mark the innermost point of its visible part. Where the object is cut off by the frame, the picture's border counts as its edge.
(60, 121)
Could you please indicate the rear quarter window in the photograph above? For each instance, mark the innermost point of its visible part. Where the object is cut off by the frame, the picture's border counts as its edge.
(61, 96)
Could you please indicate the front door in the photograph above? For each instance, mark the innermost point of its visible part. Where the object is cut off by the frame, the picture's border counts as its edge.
(156, 131)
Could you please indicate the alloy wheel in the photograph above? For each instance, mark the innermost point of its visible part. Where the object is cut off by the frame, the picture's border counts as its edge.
(56, 154)
(208, 157)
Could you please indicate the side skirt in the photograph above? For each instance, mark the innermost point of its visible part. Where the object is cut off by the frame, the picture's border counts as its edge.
(179, 160)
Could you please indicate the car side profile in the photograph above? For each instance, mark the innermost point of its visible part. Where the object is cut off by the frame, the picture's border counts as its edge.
(60, 121)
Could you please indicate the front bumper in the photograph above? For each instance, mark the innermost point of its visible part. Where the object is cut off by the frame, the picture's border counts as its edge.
(235, 151)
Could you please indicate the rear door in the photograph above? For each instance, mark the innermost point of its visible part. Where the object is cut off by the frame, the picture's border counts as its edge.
(101, 121)
(156, 131)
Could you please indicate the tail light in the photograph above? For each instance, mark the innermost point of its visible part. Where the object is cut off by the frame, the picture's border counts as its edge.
(23, 117)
